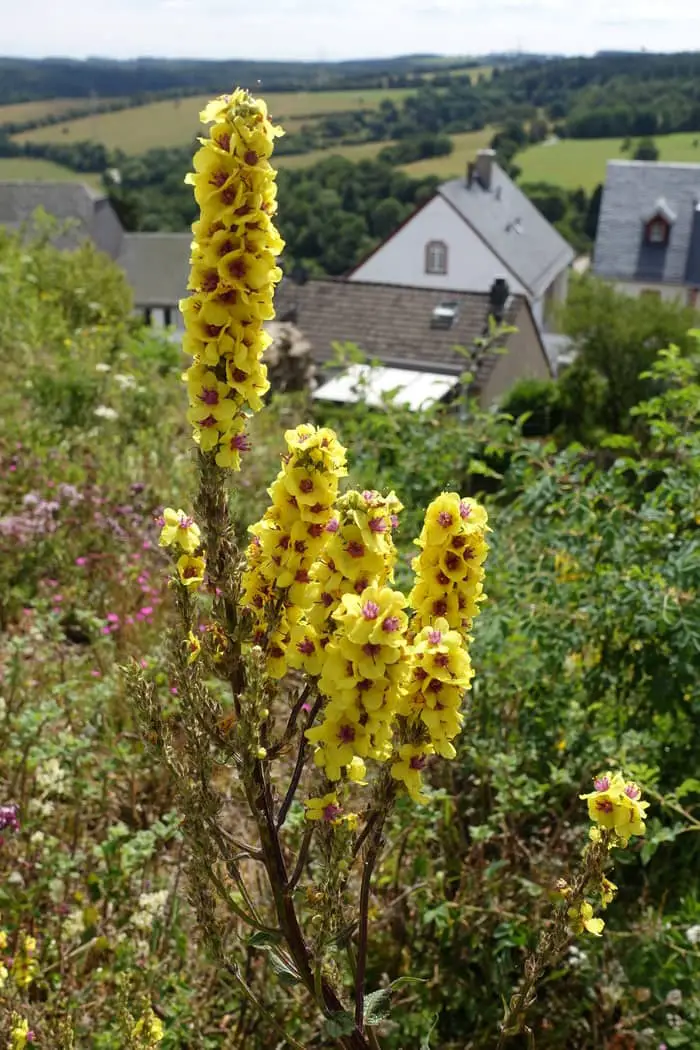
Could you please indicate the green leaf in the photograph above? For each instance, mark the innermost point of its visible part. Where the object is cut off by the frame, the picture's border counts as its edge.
(690, 786)
(425, 1041)
(377, 1005)
(283, 967)
(338, 1024)
(264, 939)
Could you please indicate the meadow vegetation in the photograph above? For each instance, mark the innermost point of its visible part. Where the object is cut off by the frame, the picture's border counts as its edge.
(585, 656)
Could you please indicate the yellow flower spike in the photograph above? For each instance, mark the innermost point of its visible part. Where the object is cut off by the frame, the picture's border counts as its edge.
(449, 570)
(179, 530)
(191, 571)
(233, 274)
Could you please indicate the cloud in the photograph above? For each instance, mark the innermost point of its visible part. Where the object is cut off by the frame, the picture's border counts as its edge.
(330, 29)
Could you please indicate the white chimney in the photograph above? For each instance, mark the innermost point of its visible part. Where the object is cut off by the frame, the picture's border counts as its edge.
(484, 167)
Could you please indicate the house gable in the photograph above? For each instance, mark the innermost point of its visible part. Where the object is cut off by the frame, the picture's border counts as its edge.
(405, 257)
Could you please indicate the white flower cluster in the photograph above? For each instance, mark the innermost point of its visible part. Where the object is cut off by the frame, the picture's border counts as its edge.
(51, 777)
(151, 907)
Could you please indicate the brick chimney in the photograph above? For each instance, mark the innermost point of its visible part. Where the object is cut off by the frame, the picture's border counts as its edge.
(484, 167)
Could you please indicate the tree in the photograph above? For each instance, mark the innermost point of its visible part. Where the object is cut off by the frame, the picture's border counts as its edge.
(616, 337)
(646, 150)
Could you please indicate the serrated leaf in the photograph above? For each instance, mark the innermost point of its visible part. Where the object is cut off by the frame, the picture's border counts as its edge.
(338, 1024)
(377, 1006)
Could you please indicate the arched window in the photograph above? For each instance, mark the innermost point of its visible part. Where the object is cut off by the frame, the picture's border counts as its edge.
(436, 257)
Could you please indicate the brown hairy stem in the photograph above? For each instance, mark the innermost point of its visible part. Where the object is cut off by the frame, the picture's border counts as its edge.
(299, 766)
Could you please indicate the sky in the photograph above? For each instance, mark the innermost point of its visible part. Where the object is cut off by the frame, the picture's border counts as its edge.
(336, 29)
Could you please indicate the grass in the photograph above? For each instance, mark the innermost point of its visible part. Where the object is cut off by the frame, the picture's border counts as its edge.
(466, 146)
(15, 111)
(576, 162)
(42, 171)
(174, 122)
(361, 151)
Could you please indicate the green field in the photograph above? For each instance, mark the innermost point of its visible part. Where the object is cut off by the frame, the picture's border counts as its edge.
(174, 122)
(36, 169)
(466, 146)
(15, 111)
(581, 162)
(362, 151)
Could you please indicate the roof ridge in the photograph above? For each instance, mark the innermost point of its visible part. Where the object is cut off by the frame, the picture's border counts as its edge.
(345, 281)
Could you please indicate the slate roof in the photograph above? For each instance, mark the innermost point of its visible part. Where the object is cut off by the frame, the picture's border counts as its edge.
(633, 190)
(512, 227)
(65, 200)
(157, 266)
(392, 323)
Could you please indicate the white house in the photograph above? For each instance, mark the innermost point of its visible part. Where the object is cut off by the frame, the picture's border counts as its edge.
(471, 232)
(648, 238)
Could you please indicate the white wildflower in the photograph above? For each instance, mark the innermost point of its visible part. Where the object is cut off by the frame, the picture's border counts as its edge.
(105, 412)
(692, 935)
(51, 777)
(101, 366)
(40, 807)
(126, 382)
(36, 838)
(73, 924)
(576, 957)
(151, 907)
(674, 997)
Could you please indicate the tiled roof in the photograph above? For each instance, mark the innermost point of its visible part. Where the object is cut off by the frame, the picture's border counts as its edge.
(157, 266)
(65, 200)
(391, 323)
(512, 227)
(633, 190)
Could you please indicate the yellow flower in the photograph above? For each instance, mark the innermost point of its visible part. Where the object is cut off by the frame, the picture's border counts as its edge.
(194, 647)
(373, 617)
(304, 651)
(408, 768)
(191, 571)
(24, 965)
(19, 1033)
(148, 1030)
(327, 809)
(179, 530)
(582, 919)
(616, 805)
(608, 890)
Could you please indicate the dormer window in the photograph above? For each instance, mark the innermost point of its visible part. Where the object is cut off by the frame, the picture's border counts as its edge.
(436, 257)
(658, 223)
(657, 231)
